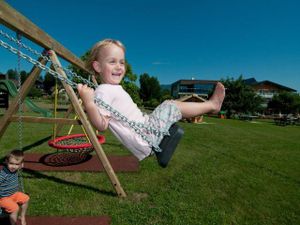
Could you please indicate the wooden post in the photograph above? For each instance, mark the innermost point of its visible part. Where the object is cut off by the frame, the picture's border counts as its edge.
(70, 110)
(89, 129)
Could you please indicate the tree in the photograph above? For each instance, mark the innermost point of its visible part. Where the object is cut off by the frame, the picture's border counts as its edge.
(150, 90)
(78, 71)
(24, 76)
(128, 83)
(285, 102)
(12, 74)
(240, 98)
(165, 95)
(49, 82)
(35, 92)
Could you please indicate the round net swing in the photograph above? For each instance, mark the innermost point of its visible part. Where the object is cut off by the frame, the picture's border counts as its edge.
(75, 143)
(72, 149)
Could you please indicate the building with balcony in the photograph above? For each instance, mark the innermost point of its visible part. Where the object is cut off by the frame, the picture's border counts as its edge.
(201, 88)
(267, 89)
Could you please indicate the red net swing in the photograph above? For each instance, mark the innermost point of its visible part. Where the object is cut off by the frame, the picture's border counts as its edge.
(75, 143)
(71, 149)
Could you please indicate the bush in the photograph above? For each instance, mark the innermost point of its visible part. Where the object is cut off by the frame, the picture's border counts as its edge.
(35, 92)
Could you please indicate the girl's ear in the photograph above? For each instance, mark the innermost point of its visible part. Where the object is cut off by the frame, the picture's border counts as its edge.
(96, 66)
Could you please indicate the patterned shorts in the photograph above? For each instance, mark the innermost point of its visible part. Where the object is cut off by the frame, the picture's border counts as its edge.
(162, 119)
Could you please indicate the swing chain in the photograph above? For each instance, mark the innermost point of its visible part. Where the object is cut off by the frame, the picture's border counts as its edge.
(21, 181)
(20, 103)
(45, 57)
(38, 64)
(137, 127)
(20, 125)
(18, 42)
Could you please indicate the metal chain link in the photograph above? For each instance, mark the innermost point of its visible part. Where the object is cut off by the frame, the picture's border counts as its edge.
(21, 180)
(20, 104)
(45, 57)
(139, 128)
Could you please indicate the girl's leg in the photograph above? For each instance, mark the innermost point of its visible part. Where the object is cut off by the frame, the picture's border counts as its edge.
(213, 105)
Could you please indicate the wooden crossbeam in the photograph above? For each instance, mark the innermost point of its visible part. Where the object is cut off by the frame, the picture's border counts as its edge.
(33, 119)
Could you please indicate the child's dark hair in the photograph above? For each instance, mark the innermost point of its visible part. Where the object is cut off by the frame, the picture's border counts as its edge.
(15, 154)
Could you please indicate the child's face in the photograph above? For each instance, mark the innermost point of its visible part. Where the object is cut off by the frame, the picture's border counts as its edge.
(111, 64)
(14, 164)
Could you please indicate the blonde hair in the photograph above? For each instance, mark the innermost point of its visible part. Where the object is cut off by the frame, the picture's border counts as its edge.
(96, 49)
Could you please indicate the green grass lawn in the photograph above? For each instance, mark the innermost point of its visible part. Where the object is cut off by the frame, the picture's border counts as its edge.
(223, 172)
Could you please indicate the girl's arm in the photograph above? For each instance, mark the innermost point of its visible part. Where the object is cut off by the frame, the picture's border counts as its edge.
(87, 96)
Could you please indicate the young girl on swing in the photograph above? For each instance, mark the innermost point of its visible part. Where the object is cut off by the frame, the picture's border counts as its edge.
(107, 60)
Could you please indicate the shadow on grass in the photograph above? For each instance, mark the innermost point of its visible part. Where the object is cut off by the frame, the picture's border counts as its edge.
(37, 143)
(28, 147)
(64, 158)
(37, 175)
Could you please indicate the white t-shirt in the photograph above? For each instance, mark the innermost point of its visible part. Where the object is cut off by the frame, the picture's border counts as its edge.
(116, 97)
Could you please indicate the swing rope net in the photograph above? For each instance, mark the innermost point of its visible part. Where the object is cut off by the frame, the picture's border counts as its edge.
(75, 143)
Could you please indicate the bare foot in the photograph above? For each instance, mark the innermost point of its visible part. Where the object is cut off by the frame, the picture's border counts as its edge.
(218, 97)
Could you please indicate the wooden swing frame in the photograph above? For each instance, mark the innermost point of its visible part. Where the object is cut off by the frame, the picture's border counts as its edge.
(19, 23)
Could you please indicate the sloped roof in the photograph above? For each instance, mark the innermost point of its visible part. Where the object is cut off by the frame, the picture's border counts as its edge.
(187, 97)
(276, 85)
(196, 82)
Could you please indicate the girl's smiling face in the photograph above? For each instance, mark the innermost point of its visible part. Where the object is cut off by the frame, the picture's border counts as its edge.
(111, 64)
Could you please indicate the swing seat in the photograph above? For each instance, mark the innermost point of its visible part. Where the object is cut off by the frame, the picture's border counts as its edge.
(75, 143)
(168, 145)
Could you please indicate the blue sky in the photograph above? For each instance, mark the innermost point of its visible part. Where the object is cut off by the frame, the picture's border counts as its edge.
(172, 40)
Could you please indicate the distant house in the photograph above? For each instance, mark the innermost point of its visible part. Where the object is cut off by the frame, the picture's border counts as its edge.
(267, 89)
(193, 98)
(200, 88)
